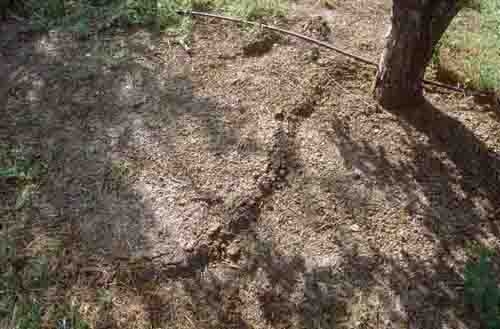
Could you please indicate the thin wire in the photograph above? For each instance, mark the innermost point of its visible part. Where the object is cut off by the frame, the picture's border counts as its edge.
(319, 43)
(277, 29)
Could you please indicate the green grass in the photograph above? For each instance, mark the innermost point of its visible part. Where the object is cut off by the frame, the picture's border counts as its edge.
(481, 289)
(24, 267)
(490, 44)
(20, 165)
(469, 50)
(249, 9)
(119, 175)
(86, 16)
(21, 280)
(25, 279)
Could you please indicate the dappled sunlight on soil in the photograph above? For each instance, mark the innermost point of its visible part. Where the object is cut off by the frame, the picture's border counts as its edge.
(220, 190)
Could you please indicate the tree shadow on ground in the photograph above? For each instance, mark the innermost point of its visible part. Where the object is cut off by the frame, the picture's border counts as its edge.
(87, 112)
(79, 127)
(451, 186)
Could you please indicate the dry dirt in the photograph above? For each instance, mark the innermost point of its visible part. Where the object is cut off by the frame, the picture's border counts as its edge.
(252, 183)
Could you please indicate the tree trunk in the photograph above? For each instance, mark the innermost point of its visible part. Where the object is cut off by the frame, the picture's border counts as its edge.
(416, 28)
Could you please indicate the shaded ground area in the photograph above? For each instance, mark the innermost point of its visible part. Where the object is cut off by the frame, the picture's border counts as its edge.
(249, 184)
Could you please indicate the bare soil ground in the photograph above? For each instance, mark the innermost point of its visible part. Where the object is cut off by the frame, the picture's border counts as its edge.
(250, 184)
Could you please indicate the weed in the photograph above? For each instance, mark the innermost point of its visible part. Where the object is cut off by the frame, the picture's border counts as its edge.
(119, 175)
(481, 290)
(28, 316)
(26, 169)
(121, 170)
(18, 163)
(104, 298)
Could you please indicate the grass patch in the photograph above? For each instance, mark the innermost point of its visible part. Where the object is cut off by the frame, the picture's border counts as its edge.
(468, 53)
(248, 9)
(21, 282)
(87, 16)
(19, 163)
(24, 267)
(481, 289)
(120, 174)
(21, 167)
(27, 275)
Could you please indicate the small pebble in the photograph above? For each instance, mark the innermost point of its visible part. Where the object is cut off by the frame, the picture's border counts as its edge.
(355, 228)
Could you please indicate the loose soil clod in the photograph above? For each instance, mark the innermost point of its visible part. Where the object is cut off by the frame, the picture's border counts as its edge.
(261, 42)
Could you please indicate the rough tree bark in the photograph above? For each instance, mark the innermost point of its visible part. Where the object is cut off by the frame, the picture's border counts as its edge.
(416, 27)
